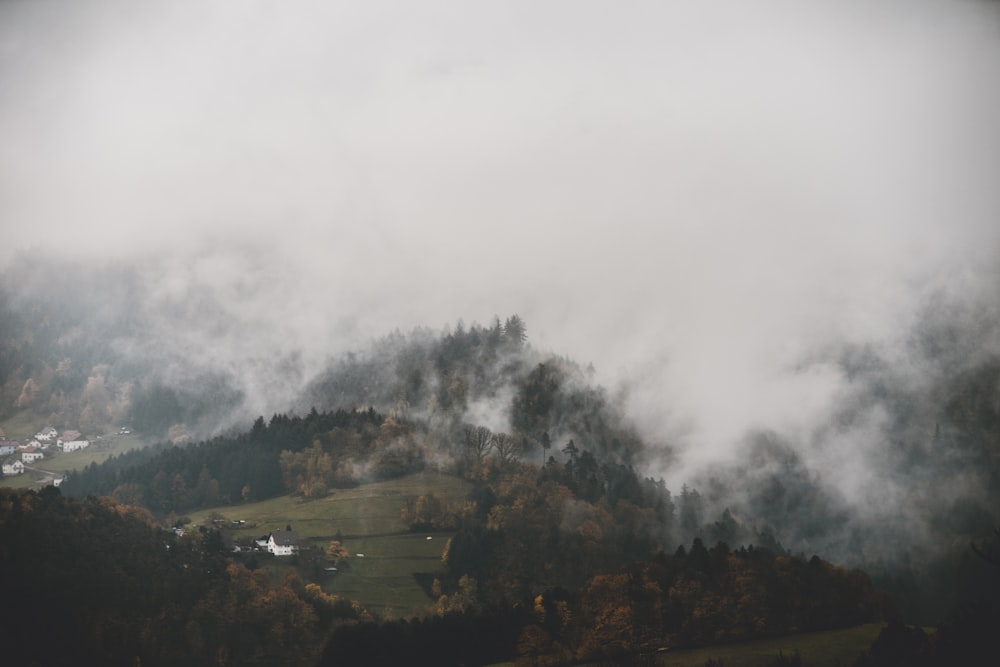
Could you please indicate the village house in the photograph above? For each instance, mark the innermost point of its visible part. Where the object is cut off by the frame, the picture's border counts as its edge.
(68, 436)
(283, 543)
(74, 445)
(8, 447)
(46, 434)
(13, 467)
(31, 454)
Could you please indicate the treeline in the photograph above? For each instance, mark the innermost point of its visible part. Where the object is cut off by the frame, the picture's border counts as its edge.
(695, 597)
(226, 469)
(116, 589)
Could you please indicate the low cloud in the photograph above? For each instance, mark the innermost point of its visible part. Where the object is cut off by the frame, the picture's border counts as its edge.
(710, 204)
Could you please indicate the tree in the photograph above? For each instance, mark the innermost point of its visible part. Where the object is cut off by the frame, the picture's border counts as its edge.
(479, 441)
(337, 553)
(546, 442)
(507, 447)
(571, 451)
(514, 331)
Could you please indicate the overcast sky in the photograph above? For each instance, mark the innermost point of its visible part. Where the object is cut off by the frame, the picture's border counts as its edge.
(694, 195)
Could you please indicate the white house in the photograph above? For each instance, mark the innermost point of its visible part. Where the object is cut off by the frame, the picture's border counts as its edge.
(31, 454)
(46, 434)
(283, 543)
(74, 445)
(68, 436)
(13, 468)
(8, 447)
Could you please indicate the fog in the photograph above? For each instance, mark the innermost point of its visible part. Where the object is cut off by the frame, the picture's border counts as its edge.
(708, 201)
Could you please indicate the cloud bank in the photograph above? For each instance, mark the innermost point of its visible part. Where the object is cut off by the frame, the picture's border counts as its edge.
(703, 199)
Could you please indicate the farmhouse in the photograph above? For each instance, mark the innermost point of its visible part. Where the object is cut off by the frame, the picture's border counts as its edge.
(13, 467)
(74, 445)
(68, 436)
(283, 543)
(32, 454)
(8, 447)
(46, 434)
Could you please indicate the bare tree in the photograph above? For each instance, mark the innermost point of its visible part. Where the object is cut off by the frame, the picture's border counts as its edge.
(507, 447)
(479, 441)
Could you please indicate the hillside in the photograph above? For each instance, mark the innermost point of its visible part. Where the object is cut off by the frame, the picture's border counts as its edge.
(910, 450)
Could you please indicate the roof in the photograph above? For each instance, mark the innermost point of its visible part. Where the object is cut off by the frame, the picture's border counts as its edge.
(285, 538)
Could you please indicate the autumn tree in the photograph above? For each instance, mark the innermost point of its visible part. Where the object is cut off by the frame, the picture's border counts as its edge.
(337, 553)
(428, 511)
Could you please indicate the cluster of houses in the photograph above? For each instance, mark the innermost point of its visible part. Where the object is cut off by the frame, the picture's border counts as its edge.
(15, 455)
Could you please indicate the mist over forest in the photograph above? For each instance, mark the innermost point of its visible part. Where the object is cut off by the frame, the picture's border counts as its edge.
(754, 251)
(900, 476)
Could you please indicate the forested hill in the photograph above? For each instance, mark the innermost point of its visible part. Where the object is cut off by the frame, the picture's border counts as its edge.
(489, 376)
(94, 349)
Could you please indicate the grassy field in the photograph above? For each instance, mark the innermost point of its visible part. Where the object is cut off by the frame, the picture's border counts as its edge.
(58, 462)
(21, 426)
(24, 481)
(832, 648)
(817, 649)
(397, 566)
(369, 509)
(388, 578)
(98, 452)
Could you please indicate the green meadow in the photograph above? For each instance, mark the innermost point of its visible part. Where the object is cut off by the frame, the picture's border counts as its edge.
(390, 569)
(817, 649)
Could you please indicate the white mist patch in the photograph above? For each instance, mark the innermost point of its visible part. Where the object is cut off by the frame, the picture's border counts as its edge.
(700, 199)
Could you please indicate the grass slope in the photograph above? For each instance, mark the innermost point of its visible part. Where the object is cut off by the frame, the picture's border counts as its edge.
(817, 649)
(21, 425)
(832, 648)
(24, 424)
(390, 578)
(98, 452)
